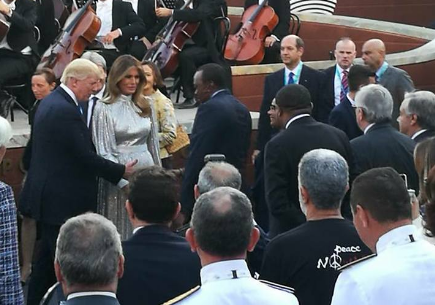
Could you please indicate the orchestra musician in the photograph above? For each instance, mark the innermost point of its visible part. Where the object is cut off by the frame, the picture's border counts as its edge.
(119, 26)
(18, 49)
(203, 50)
(272, 42)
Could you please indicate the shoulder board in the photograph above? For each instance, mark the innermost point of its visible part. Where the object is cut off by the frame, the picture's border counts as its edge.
(182, 296)
(356, 262)
(278, 286)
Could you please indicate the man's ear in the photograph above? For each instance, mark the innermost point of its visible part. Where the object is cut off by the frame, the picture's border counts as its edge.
(255, 236)
(129, 209)
(177, 211)
(304, 194)
(121, 261)
(57, 271)
(190, 237)
(363, 216)
(413, 119)
(196, 192)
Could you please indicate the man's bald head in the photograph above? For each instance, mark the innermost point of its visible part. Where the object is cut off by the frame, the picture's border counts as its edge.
(373, 53)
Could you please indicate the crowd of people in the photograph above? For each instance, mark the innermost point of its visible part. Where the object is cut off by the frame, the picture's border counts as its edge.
(352, 142)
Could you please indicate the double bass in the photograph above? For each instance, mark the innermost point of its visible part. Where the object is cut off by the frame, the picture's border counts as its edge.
(80, 30)
(247, 45)
(172, 39)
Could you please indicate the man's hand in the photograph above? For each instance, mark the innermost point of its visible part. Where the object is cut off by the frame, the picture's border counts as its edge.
(4, 9)
(254, 155)
(269, 41)
(110, 37)
(129, 168)
(163, 12)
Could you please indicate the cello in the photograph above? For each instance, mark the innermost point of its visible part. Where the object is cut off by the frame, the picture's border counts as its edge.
(80, 30)
(173, 38)
(247, 45)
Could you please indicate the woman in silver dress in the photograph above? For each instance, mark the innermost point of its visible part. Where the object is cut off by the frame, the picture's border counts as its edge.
(124, 129)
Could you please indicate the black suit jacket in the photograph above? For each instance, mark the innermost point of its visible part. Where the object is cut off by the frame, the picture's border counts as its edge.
(281, 160)
(282, 10)
(424, 135)
(158, 267)
(329, 89)
(131, 25)
(92, 300)
(310, 79)
(222, 126)
(383, 146)
(343, 117)
(61, 181)
(22, 21)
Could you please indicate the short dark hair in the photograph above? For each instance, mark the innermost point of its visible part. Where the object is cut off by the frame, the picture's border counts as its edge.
(222, 222)
(293, 98)
(381, 192)
(214, 73)
(47, 73)
(359, 76)
(153, 194)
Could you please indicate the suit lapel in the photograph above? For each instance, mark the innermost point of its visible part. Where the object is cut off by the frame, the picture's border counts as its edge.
(303, 79)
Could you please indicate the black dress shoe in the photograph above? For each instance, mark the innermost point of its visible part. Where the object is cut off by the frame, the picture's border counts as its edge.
(188, 104)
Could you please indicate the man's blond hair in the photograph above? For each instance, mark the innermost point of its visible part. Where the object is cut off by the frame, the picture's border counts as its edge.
(80, 69)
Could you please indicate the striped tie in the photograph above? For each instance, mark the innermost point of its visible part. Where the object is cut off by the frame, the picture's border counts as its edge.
(344, 85)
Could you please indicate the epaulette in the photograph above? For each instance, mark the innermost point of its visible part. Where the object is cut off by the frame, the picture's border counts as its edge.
(182, 296)
(278, 286)
(356, 262)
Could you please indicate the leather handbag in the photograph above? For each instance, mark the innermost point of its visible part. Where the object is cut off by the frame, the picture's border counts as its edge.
(181, 141)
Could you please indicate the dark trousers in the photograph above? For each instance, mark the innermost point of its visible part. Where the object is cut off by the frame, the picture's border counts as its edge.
(43, 276)
(190, 59)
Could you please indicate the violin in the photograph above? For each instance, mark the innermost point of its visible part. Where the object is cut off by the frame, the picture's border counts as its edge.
(172, 38)
(80, 30)
(247, 45)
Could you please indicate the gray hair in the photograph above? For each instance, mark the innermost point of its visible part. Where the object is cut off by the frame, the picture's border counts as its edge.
(216, 174)
(422, 104)
(376, 103)
(222, 222)
(5, 131)
(325, 175)
(88, 250)
(95, 58)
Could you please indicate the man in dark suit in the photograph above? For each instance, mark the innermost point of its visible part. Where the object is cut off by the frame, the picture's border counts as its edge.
(89, 260)
(222, 126)
(396, 80)
(381, 145)
(158, 263)
(272, 41)
(204, 49)
(18, 49)
(337, 76)
(343, 115)
(61, 181)
(417, 115)
(119, 26)
(291, 112)
(292, 49)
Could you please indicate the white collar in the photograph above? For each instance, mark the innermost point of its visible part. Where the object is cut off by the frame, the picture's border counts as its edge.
(418, 133)
(214, 94)
(352, 102)
(89, 293)
(296, 118)
(105, 3)
(224, 270)
(340, 69)
(368, 127)
(137, 229)
(70, 93)
(398, 236)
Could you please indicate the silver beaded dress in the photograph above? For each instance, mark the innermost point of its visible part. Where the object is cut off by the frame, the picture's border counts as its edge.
(121, 135)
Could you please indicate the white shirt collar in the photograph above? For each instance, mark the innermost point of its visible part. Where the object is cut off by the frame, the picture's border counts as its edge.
(100, 93)
(70, 93)
(137, 229)
(89, 293)
(217, 92)
(352, 102)
(340, 69)
(368, 127)
(224, 270)
(418, 133)
(296, 118)
(398, 236)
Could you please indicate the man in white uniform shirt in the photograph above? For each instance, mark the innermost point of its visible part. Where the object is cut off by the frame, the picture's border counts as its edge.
(402, 270)
(222, 231)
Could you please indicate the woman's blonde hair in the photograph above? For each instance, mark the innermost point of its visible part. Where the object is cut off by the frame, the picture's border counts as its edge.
(119, 70)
